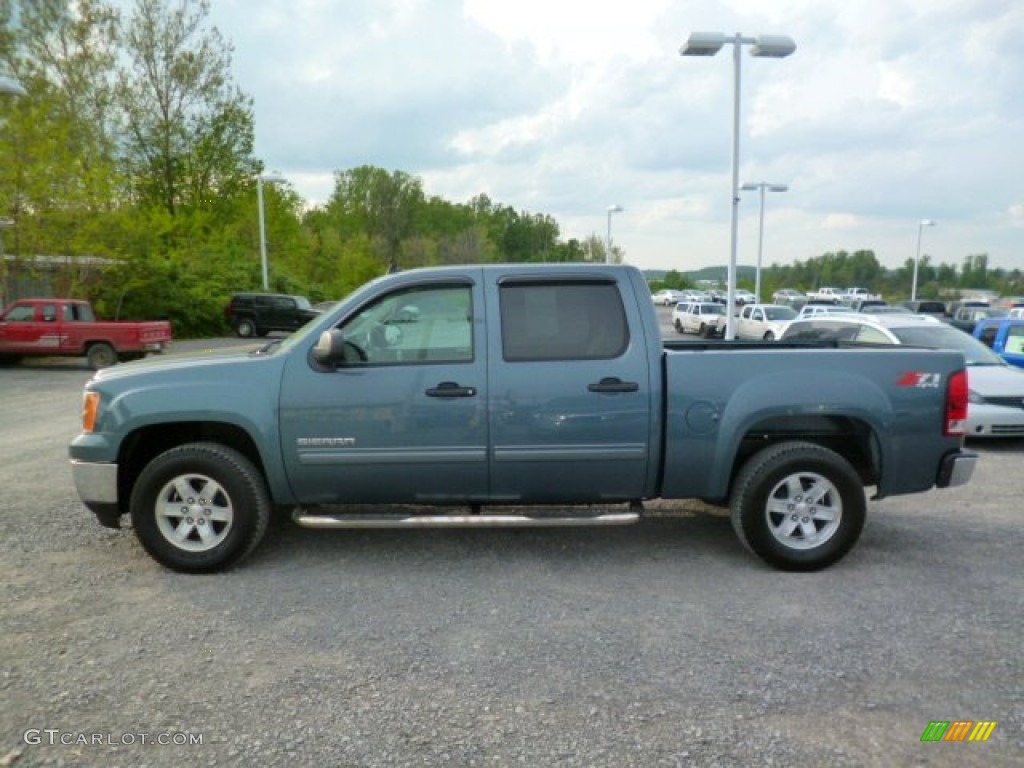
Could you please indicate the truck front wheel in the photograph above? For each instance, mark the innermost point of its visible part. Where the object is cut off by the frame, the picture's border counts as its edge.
(100, 355)
(798, 506)
(200, 507)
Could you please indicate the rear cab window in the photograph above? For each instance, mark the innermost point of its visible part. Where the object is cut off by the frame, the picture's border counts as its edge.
(569, 320)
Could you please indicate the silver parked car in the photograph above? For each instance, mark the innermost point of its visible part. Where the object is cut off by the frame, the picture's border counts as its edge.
(996, 406)
(667, 297)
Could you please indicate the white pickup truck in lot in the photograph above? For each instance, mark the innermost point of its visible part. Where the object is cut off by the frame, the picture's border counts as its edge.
(825, 293)
(764, 321)
(853, 295)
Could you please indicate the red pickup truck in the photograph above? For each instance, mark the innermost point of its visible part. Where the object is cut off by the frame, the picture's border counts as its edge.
(68, 327)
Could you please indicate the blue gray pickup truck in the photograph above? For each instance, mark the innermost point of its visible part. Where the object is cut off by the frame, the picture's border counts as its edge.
(470, 394)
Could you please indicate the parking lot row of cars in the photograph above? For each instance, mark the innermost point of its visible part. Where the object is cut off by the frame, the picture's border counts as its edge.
(669, 297)
(993, 347)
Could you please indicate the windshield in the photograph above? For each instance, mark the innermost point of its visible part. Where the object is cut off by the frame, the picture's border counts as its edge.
(302, 302)
(779, 313)
(947, 337)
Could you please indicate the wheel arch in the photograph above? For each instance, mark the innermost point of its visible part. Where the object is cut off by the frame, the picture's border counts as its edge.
(142, 445)
(88, 343)
(852, 438)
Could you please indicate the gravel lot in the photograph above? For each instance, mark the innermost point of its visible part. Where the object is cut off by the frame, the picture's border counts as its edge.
(662, 644)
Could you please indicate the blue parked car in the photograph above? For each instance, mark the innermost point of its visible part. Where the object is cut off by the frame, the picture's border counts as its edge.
(1005, 336)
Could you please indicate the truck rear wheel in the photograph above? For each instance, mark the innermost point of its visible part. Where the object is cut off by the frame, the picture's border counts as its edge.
(100, 355)
(200, 507)
(245, 328)
(798, 506)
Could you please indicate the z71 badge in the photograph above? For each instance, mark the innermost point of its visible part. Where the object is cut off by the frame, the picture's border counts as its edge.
(920, 380)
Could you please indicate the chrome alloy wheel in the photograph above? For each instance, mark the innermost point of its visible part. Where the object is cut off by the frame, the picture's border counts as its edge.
(804, 510)
(194, 513)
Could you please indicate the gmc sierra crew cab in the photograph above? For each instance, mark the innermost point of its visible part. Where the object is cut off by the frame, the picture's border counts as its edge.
(475, 393)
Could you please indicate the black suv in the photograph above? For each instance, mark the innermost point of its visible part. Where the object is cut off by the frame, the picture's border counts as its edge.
(256, 314)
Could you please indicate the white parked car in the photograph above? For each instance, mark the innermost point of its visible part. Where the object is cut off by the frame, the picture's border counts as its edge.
(667, 297)
(743, 297)
(702, 318)
(682, 309)
(764, 321)
(996, 404)
(809, 310)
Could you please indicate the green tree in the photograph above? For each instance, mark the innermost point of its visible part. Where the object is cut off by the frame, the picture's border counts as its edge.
(384, 205)
(58, 178)
(188, 130)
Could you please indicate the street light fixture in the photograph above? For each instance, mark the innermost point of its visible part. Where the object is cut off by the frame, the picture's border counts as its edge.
(616, 208)
(762, 46)
(917, 256)
(12, 86)
(761, 185)
(264, 178)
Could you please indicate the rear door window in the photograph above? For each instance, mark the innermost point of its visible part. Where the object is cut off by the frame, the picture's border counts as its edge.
(562, 321)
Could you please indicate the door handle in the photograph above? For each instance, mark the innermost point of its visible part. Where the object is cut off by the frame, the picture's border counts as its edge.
(613, 384)
(450, 389)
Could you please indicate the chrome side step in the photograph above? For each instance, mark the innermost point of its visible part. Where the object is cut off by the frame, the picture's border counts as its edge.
(459, 521)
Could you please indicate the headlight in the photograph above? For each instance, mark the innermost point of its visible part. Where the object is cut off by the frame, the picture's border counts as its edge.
(90, 408)
(974, 397)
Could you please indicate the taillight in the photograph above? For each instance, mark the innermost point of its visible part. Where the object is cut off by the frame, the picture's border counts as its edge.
(956, 404)
(90, 407)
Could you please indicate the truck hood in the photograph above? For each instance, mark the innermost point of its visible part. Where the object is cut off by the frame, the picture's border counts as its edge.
(170, 363)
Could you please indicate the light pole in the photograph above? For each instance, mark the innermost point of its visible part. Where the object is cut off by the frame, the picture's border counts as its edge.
(761, 185)
(11, 87)
(917, 256)
(616, 208)
(264, 178)
(762, 46)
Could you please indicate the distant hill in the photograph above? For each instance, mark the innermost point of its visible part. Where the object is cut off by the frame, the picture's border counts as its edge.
(707, 273)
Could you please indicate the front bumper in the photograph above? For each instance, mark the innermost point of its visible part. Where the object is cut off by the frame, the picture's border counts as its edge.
(956, 469)
(96, 484)
(990, 420)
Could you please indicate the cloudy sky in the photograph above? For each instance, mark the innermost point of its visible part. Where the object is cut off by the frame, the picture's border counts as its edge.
(890, 111)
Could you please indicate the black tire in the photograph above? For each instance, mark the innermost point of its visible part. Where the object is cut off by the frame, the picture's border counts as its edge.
(769, 336)
(245, 328)
(773, 519)
(210, 534)
(10, 359)
(100, 355)
(679, 326)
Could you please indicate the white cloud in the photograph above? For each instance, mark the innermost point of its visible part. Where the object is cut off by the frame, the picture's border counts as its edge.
(889, 111)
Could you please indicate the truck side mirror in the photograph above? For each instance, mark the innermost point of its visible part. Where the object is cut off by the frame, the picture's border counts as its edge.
(333, 349)
(330, 348)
